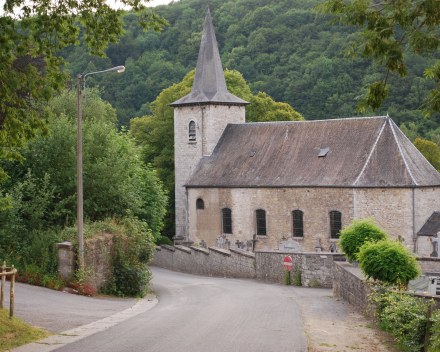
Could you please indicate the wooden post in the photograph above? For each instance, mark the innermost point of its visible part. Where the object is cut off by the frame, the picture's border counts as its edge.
(11, 306)
(428, 328)
(2, 299)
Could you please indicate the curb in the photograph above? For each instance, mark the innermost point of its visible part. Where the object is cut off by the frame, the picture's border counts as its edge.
(58, 340)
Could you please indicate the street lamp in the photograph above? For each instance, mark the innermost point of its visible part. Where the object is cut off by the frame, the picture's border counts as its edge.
(80, 164)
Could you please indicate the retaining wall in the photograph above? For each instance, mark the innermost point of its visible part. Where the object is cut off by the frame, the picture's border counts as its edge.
(316, 268)
(349, 284)
(429, 264)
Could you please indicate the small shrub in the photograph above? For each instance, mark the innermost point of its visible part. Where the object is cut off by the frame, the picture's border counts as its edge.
(360, 231)
(133, 250)
(164, 240)
(403, 316)
(286, 277)
(388, 261)
(297, 277)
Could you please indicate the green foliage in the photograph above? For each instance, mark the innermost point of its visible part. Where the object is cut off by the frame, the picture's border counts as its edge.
(163, 240)
(430, 151)
(133, 250)
(388, 261)
(287, 277)
(356, 234)
(31, 69)
(297, 277)
(155, 134)
(290, 53)
(389, 32)
(115, 181)
(434, 343)
(411, 132)
(404, 316)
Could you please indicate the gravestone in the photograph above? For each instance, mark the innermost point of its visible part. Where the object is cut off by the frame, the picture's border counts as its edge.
(249, 245)
(290, 245)
(333, 248)
(203, 244)
(318, 246)
(220, 242)
(435, 240)
(228, 244)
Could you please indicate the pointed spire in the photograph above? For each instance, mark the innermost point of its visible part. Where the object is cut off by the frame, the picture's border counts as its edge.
(209, 81)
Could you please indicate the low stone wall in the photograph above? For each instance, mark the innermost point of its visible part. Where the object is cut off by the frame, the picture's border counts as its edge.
(209, 262)
(316, 268)
(429, 264)
(349, 284)
(97, 258)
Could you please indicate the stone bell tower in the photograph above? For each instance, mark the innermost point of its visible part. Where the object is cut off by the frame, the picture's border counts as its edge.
(200, 118)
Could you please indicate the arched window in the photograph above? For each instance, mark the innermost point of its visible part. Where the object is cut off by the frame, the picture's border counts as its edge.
(192, 131)
(298, 230)
(200, 204)
(335, 223)
(261, 222)
(227, 220)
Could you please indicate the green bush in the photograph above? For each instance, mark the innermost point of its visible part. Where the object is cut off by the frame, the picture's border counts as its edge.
(403, 316)
(388, 261)
(163, 240)
(133, 250)
(360, 231)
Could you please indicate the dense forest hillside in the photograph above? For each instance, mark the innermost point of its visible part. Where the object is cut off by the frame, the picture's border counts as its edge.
(282, 47)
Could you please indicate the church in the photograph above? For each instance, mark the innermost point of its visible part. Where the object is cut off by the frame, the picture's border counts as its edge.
(300, 180)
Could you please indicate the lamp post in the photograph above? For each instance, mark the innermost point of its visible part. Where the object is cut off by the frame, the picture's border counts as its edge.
(80, 218)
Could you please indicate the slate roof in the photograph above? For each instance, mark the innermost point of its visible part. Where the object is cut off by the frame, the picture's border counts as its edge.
(432, 226)
(363, 152)
(209, 82)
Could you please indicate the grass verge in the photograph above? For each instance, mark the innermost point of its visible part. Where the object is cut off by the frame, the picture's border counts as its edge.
(14, 333)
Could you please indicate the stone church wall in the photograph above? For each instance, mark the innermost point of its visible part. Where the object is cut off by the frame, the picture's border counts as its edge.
(316, 203)
(391, 208)
(187, 153)
(316, 268)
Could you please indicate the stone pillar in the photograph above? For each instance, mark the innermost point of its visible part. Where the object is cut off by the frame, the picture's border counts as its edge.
(66, 259)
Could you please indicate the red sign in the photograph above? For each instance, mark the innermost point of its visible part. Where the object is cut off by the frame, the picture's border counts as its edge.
(288, 263)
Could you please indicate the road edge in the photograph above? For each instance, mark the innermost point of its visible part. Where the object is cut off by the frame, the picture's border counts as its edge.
(63, 338)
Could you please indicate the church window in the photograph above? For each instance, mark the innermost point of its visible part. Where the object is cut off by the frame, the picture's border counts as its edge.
(261, 222)
(200, 204)
(335, 224)
(297, 216)
(227, 220)
(192, 131)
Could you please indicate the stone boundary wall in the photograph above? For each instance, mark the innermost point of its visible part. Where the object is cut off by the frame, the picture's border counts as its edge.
(349, 284)
(429, 264)
(97, 259)
(316, 268)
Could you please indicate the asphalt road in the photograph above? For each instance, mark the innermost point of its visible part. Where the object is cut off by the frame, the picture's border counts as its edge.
(57, 311)
(198, 313)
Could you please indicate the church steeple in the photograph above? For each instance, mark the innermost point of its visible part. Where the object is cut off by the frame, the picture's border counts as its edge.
(209, 82)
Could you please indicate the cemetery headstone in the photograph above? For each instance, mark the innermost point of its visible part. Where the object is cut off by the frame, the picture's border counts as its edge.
(435, 240)
(220, 242)
(290, 245)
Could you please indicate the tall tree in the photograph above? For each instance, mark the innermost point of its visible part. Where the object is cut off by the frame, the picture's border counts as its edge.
(389, 32)
(31, 35)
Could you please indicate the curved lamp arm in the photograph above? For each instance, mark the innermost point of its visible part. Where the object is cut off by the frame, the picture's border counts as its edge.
(117, 68)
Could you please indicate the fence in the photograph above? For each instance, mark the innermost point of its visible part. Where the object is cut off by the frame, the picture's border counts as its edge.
(3, 274)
